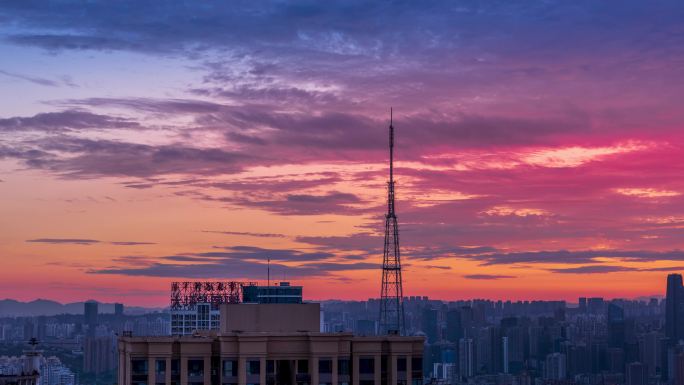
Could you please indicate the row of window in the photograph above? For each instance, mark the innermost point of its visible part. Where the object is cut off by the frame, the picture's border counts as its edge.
(229, 367)
(174, 317)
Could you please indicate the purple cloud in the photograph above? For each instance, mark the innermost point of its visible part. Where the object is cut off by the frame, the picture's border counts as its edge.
(68, 120)
(31, 79)
(246, 233)
(593, 269)
(60, 241)
(487, 276)
(131, 243)
(236, 262)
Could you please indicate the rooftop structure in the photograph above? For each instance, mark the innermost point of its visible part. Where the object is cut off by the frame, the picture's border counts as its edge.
(195, 305)
(281, 293)
(268, 344)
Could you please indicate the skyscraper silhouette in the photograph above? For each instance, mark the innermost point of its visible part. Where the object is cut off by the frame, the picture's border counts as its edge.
(616, 326)
(674, 309)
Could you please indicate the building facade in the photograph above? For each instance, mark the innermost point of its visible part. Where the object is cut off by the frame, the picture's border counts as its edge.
(201, 316)
(283, 292)
(270, 344)
(99, 355)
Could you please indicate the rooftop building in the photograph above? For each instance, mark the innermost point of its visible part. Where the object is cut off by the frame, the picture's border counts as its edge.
(195, 305)
(268, 344)
(281, 293)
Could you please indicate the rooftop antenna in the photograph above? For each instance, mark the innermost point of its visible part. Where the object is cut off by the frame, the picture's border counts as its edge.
(391, 292)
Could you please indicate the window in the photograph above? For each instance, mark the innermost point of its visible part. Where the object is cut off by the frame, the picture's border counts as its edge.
(303, 377)
(384, 363)
(160, 367)
(270, 372)
(175, 371)
(139, 371)
(139, 366)
(343, 366)
(366, 365)
(253, 366)
(302, 366)
(417, 370)
(195, 368)
(325, 366)
(401, 364)
(230, 368)
(215, 370)
(160, 371)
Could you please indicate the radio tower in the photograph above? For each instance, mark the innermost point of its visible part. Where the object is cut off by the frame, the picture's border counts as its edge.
(391, 294)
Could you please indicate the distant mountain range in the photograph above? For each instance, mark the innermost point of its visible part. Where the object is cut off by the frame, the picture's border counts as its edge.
(14, 308)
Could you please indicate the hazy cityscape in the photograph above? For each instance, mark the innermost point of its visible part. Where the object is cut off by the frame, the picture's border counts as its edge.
(593, 341)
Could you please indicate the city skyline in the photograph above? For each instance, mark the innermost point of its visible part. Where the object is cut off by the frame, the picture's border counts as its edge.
(538, 147)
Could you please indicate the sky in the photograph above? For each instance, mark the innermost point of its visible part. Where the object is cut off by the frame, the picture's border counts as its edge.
(538, 146)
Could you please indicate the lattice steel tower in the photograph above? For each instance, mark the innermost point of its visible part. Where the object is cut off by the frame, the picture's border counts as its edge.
(391, 294)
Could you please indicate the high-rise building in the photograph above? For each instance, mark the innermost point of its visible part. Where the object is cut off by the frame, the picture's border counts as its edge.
(90, 314)
(429, 324)
(514, 350)
(29, 330)
(504, 354)
(674, 309)
(616, 325)
(444, 371)
(578, 359)
(679, 368)
(583, 305)
(614, 360)
(454, 327)
(555, 367)
(99, 355)
(466, 357)
(636, 374)
(364, 327)
(595, 305)
(118, 309)
(54, 372)
(271, 343)
(650, 352)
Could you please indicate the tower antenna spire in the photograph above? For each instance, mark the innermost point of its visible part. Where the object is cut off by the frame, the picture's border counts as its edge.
(391, 145)
(391, 292)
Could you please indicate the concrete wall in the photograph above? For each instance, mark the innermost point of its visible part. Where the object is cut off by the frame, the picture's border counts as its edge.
(270, 317)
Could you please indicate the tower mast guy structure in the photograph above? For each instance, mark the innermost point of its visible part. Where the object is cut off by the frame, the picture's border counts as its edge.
(391, 294)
